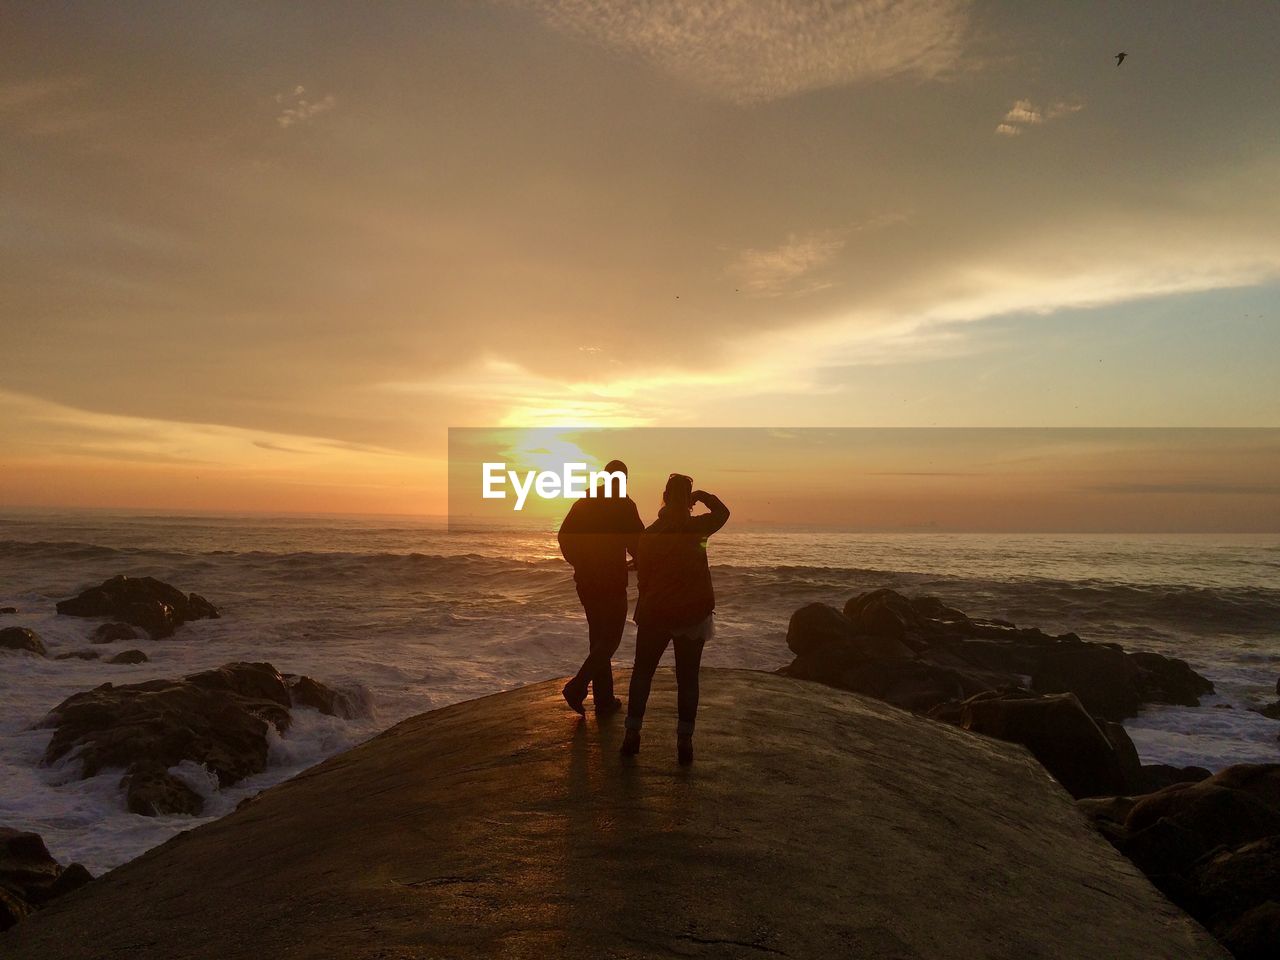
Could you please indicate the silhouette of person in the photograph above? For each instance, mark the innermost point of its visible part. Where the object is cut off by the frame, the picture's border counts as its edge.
(595, 537)
(675, 605)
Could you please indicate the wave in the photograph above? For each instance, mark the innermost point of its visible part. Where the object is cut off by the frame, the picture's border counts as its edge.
(1242, 610)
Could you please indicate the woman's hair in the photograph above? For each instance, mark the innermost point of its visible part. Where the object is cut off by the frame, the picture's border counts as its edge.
(678, 490)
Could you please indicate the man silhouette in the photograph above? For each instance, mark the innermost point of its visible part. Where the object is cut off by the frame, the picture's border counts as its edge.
(595, 537)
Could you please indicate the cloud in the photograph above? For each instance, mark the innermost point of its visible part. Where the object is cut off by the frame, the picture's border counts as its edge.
(1025, 114)
(298, 108)
(31, 420)
(48, 106)
(779, 270)
(1022, 112)
(749, 51)
(1193, 487)
(20, 94)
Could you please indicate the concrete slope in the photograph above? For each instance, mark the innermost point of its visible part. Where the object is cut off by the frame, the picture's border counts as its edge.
(814, 824)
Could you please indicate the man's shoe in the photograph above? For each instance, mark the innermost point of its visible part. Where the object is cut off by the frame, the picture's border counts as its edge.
(574, 699)
(630, 743)
(608, 708)
(684, 750)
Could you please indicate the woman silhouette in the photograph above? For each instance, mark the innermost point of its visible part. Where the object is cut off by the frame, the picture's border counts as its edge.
(675, 605)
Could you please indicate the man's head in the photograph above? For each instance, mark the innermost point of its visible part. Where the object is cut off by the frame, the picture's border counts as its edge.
(616, 466)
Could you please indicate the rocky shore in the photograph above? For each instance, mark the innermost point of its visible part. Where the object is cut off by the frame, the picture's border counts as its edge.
(30, 878)
(1210, 842)
(216, 718)
(812, 825)
(220, 721)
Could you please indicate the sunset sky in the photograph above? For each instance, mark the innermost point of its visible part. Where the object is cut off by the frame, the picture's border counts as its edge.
(263, 256)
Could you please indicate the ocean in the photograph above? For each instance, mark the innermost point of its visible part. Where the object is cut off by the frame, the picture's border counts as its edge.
(406, 616)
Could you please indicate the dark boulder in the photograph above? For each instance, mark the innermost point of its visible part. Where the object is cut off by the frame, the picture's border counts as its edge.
(1157, 776)
(932, 608)
(885, 614)
(129, 657)
(818, 625)
(1113, 810)
(1262, 780)
(151, 791)
(145, 602)
(815, 626)
(1235, 880)
(1271, 711)
(1012, 659)
(1058, 732)
(111, 632)
(4, 610)
(20, 638)
(1253, 935)
(909, 684)
(1211, 845)
(30, 877)
(1168, 680)
(78, 655)
(982, 654)
(1207, 815)
(218, 718)
(1126, 753)
(305, 692)
(1103, 677)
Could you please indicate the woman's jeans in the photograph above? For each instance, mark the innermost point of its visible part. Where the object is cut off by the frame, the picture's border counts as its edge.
(651, 644)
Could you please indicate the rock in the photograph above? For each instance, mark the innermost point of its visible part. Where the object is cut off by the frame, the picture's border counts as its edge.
(818, 625)
(1234, 881)
(1157, 776)
(1168, 680)
(1164, 851)
(4, 610)
(1254, 935)
(934, 609)
(909, 684)
(1011, 659)
(153, 791)
(30, 877)
(1126, 753)
(977, 654)
(1212, 846)
(1103, 677)
(1058, 732)
(218, 718)
(13, 908)
(20, 638)
(1271, 711)
(145, 602)
(78, 655)
(129, 656)
(815, 626)
(884, 614)
(817, 824)
(111, 632)
(305, 692)
(73, 877)
(1106, 809)
(1262, 780)
(1211, 815)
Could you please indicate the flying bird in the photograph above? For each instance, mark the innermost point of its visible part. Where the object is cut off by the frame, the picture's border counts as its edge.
(1120, 57)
